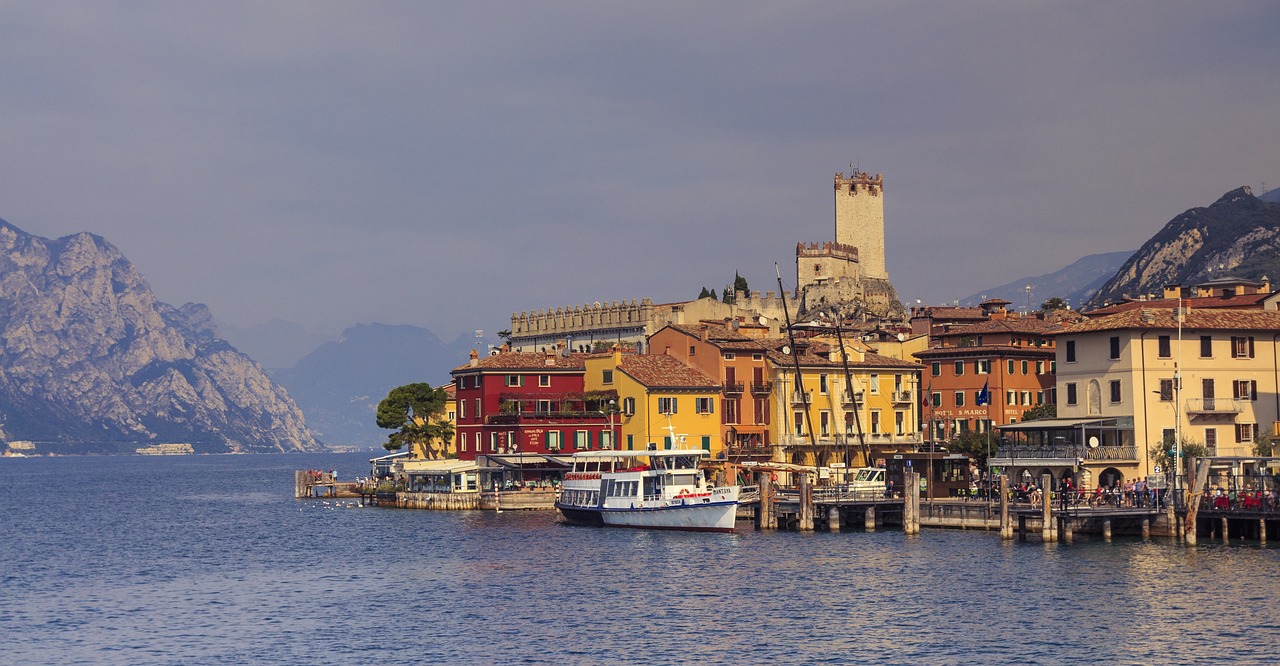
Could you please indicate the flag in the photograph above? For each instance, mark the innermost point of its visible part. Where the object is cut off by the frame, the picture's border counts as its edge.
(984, 396)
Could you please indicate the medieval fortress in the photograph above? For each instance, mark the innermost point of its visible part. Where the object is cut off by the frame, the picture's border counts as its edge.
(845, 278)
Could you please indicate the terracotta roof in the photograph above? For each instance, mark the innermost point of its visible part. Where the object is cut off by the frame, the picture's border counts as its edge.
(1163, 319)
(985, 350)
(950, 313)
(526, 361)
(1240, 301)
(1020, 325)
(715, 332)
(654, 370)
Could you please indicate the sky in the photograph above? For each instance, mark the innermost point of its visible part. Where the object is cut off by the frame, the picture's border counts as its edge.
(447, 164)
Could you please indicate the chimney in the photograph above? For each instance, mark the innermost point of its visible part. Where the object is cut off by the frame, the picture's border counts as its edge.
(475, 358)
(549, 356)
(703, 331)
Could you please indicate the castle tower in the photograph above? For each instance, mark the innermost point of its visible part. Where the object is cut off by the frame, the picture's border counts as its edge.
(859, 212)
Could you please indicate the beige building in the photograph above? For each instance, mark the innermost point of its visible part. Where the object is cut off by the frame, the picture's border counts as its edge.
(1117, 401)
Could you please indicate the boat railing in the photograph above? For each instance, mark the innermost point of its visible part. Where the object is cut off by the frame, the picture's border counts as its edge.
(749, 494)
(845, 493)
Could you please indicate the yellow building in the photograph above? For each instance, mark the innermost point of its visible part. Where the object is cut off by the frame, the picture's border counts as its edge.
(822, 425)
(661, 402)
(437, 449)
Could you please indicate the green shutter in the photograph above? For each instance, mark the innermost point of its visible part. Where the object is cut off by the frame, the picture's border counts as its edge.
(706, 443)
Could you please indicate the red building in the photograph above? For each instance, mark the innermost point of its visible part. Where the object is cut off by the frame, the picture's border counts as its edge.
(525, 404)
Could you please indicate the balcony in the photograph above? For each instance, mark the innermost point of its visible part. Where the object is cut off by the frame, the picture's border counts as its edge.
(733, 388)
(798, 397)
(902, 396)
(761, 389)
(1214, 406)
(1066, 453)
(857, 397)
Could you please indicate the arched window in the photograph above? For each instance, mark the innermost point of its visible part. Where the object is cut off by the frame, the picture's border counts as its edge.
(1095, 398)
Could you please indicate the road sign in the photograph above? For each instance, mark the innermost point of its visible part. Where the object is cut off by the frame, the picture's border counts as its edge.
(1157, 470)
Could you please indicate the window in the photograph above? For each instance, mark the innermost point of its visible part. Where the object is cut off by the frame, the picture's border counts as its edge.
(935, 368)
(936, 399)
(628, 406)
(493, 442)
(1071, 351)
(1025, 367)
(959, 398)
(543, 407)
(1245, 432)
(757, 357)
(1071, 393)
(631, 442)
(1242, 347)
(959, 368)
(731, 410)
(544, 380)
(729, 356)
(1115, 390)
(1039, 397)
(822, 384)
(762, 411)
(554, 442)
(462, 442)
(1211, 440)
(1026, 398)
(875, 422)
(849, 420)
(581, 440)
(899, 423)
(1011, 397)
(1166, 390)
(692, 350)
(478, 410)
(799, 422)
(706, 442)
(1206, 346)
(1039, 367)
(666, 405)
(1115, 348)
(1009, 369)
(515, 380)
(462, 409)
(1245, 389)
(704, 405)
(1163, 348)
(606, 439)
(824, 423)
(606, 377)
(875, 384)
(982, 366)
(1053, 367)
(1167, 435)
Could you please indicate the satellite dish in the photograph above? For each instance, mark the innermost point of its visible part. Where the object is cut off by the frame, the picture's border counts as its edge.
(902, 337)
(786, 349)
(764, 321)
(1093, 442)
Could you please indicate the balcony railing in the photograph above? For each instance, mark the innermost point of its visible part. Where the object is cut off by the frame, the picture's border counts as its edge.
(857, 397)
(1111, 453)
(902, 396)
(807, 397)
(764, 388)
(1214, 406)
(1068, 452)
(735, 387)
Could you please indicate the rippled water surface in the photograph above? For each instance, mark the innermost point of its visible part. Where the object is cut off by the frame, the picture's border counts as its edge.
(209, 559)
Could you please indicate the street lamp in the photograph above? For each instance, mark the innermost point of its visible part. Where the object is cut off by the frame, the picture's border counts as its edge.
(613, 436)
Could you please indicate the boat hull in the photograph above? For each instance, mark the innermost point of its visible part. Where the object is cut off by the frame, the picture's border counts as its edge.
(703, 517)
(580, 516)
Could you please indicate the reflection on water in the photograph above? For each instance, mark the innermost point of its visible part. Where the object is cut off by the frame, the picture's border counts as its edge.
(209, 559)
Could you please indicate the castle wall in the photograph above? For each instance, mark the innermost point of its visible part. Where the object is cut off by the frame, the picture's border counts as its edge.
(859, 219)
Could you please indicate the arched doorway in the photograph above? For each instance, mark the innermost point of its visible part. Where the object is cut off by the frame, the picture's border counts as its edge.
(798, 457)
(1111, 478)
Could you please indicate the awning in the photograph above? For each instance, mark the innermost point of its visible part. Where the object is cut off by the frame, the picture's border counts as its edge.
(527, 461)
(394, 456)
(439, 467)
(1065, 424)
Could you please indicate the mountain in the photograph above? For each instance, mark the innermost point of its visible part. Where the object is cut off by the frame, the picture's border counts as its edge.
(1239, 234)
(274, 344)
(1073, 284)
(93, 363)
(339, 385)
(1273, 196)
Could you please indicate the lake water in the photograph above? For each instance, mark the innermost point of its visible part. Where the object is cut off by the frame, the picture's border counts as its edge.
(209, 559)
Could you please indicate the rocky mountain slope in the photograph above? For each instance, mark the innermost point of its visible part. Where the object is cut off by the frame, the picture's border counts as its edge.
(1239, 235)
(1073, 284)
(90, 361)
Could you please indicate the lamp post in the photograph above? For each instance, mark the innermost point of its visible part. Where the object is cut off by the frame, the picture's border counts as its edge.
(613, 435)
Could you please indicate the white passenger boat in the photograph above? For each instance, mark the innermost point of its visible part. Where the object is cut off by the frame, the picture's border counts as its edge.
(662, 490)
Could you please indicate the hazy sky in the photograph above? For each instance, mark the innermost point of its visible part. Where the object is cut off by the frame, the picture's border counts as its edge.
(443, 164)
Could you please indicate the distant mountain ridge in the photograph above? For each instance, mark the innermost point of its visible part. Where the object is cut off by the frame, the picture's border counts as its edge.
(339, 384)
(1074, 284)
(1237, 235)
(92, 363)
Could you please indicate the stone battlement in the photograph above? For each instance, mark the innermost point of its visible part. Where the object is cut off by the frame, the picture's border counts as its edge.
(582, 317)
(816, 250)
(860, 181)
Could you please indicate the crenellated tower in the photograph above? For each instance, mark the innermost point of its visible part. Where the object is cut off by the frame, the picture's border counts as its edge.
(859, 219)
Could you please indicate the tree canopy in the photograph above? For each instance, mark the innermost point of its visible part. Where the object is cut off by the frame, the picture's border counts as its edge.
(414, 411)
(1053, 304)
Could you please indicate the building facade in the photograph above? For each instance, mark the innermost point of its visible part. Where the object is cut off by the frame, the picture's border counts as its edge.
(662, 403)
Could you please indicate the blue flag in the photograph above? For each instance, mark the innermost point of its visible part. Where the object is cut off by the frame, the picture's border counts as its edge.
(984, 396)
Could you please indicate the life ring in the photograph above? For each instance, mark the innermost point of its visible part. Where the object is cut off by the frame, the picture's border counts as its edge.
(773, 478)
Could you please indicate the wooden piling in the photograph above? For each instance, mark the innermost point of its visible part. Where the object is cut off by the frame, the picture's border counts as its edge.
(833, 518)
(805, 519)
(1064, 529)
(1006, 525)
(1022, 527)
(869, 519)
(768, 508)
(1106, 529)
(1046, 510)
(911, 503)
(1146, 528)
(1226, 533)
(1262, 531)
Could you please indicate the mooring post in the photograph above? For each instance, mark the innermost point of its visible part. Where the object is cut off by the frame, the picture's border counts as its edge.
(1146, 528)
(910, 503)
(869, 519)
(1046, 509)
(767, 520)
(1064, 528)
(1226, 536)
(833, 518)
(1006, 525)
(805, 518)
(1262, 531)
(1106, 529)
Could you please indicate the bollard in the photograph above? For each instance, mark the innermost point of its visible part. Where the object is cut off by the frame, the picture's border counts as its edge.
(833, 519)
(1146, 528)
(1006, 525)
(1046, 509)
